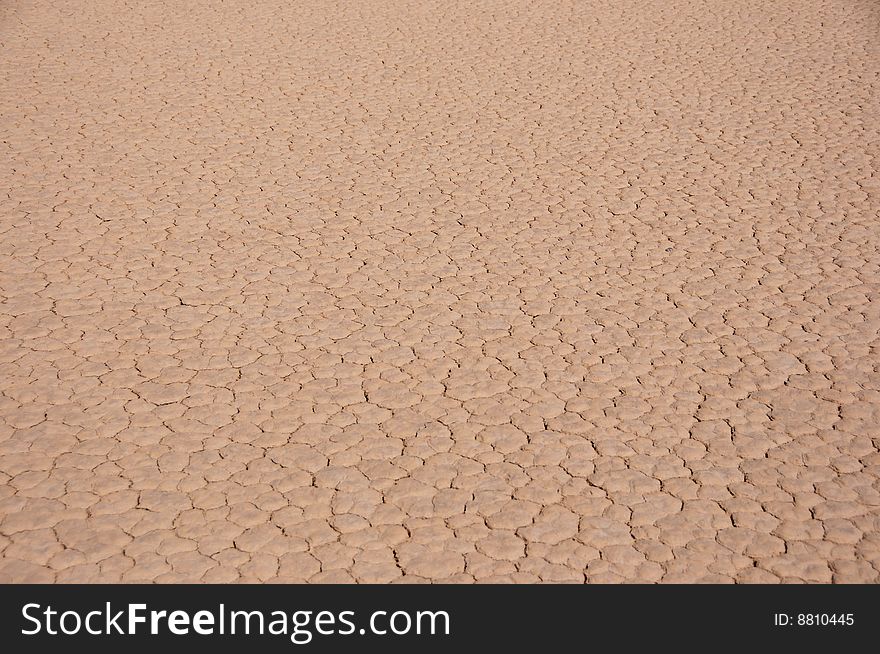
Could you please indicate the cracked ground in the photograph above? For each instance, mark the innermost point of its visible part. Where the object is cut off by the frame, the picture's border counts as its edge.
(394, 291)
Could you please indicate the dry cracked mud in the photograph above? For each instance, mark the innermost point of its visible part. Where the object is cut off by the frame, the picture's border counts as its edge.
(413, 290)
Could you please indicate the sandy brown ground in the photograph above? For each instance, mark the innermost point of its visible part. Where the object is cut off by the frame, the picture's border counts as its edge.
(388, 290)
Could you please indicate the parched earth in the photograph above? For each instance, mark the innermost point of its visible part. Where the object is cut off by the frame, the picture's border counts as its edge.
(423, 290)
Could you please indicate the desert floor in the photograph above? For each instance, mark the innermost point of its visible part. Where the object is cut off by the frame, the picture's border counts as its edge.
(424, 290)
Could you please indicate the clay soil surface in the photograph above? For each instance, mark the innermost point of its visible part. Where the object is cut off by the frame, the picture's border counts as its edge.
(425, 290)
